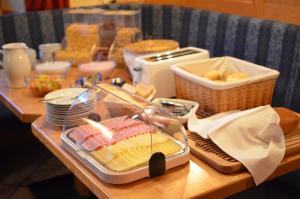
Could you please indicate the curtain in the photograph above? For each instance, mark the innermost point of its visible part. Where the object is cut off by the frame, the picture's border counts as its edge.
(34, 5)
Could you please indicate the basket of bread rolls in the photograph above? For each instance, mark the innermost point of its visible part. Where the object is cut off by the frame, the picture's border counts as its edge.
(223, 84)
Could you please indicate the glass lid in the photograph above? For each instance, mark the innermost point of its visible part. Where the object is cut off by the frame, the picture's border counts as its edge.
(120, 131)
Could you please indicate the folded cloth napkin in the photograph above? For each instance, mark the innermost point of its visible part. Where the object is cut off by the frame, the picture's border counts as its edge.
(252, 137)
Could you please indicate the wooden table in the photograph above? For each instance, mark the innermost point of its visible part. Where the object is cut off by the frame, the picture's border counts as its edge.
(195, 179)
(26, 106)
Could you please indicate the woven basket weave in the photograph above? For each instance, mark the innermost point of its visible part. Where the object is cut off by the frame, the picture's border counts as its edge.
(213, 101)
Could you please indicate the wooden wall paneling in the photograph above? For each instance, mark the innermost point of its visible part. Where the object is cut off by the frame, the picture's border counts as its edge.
(286, 11)
(239, 7)
(258, 8)
(284, 2)
(203, 4)
(281, 10)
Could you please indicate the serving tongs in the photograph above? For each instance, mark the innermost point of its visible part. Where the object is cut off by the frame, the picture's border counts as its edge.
(176, 108)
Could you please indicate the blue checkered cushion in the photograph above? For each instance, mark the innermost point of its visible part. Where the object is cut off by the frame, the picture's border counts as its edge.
(33, 28)
(269, 43)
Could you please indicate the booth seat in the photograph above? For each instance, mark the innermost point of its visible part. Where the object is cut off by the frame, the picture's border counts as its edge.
(269, 43)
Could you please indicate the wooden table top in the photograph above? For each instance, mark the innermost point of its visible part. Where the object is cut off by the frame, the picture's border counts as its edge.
(26, 106)
(195, 179)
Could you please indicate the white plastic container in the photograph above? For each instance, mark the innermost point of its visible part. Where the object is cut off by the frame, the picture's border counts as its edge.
(54, 68)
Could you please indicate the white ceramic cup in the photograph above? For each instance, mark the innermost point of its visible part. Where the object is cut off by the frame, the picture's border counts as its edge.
(47, 51)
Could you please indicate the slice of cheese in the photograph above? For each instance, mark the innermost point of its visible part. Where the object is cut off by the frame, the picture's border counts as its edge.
(135, 151)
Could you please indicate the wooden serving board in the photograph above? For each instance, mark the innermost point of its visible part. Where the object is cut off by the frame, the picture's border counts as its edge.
(211, 154)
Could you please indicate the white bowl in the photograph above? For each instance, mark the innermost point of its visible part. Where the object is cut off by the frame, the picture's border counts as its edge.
(105, 68)
(57, 67)
(182, 119)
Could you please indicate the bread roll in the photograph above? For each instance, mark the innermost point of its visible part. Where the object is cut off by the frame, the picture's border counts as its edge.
(225, 75)
(213, 75)
(237, 76)
(289, 120)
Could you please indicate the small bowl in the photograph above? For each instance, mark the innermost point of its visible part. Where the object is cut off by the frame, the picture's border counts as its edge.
(41, 84)
(182, 119)
(58, 67)
(105, 68)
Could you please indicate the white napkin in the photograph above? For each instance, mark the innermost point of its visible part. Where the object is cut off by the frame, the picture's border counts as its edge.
(252, 137)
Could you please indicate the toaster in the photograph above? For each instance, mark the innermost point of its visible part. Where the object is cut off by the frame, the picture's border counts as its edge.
(155, 69)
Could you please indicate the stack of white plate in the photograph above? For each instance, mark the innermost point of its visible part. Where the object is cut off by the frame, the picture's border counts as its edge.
(64, 108)
(47, 51)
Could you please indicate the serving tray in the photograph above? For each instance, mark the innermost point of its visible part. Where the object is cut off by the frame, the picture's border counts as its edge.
(113, 177)
(211, 154)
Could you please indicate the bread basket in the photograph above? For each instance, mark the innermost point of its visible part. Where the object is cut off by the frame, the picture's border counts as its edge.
(215, 97)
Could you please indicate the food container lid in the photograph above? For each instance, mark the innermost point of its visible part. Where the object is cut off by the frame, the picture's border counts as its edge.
(118, 133)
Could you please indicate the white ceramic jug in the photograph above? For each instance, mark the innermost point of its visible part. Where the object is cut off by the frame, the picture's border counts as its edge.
(16, 64)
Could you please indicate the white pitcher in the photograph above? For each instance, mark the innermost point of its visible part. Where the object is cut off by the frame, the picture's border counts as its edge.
(16, 64)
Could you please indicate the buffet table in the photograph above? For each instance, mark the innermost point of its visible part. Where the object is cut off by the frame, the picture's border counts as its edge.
(20, 101)
(195, 179)
(26, 106)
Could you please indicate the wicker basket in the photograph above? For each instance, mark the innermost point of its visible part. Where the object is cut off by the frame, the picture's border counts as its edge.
(212, 99)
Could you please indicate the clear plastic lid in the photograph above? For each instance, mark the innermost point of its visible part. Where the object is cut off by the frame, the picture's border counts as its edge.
(120, 131)
(97, 34)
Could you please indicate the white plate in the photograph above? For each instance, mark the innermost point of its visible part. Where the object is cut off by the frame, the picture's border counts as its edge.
(76, 104)
(65, 114)
(70, 117)
(64, 96)
(66, 109)
(55, 123)
(63, 120)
